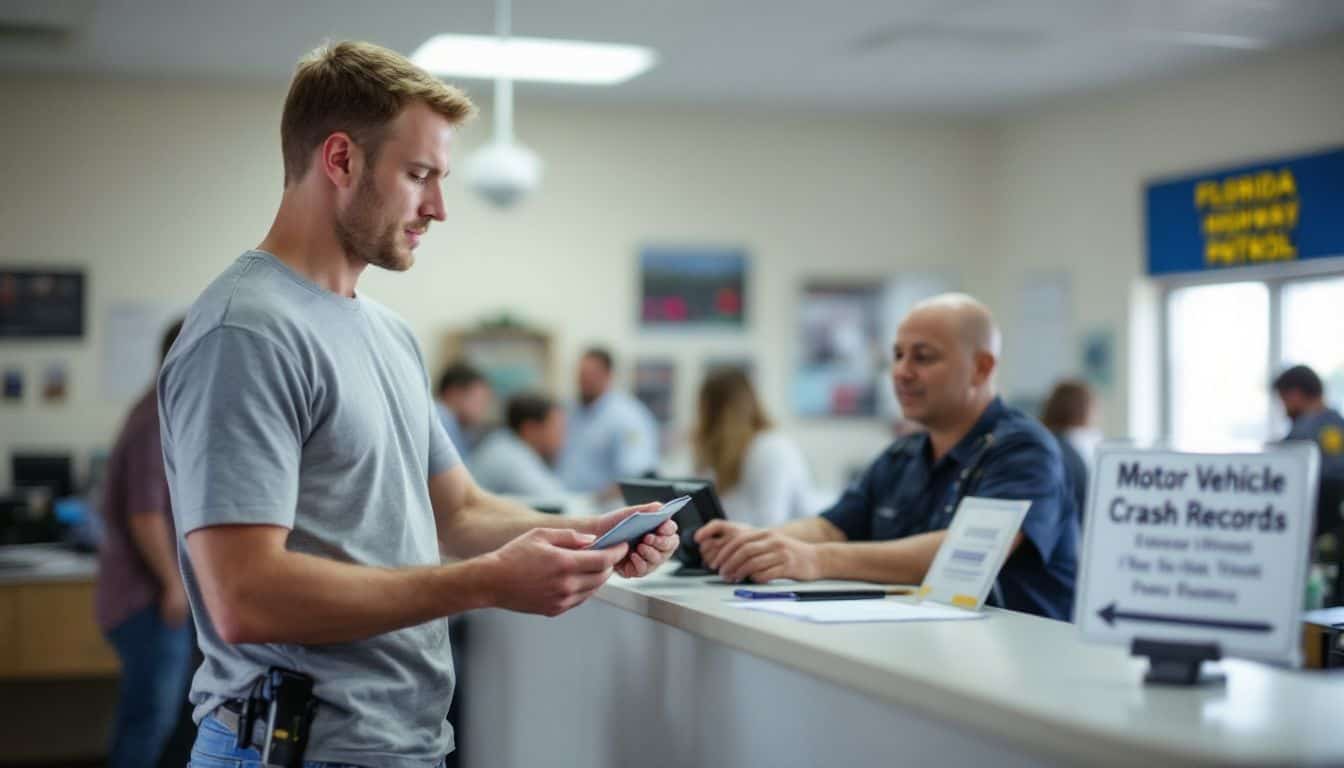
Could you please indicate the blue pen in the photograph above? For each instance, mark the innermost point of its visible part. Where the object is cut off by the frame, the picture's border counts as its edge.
(820, 594)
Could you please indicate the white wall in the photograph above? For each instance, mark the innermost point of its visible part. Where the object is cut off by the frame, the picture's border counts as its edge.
(1068, 184)
(154, 188)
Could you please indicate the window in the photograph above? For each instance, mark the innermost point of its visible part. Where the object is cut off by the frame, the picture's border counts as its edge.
(1225, 342)
(1218, 363)
(1312, 331)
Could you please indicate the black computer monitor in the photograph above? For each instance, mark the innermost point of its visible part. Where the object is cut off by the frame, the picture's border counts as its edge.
(703, 507)
(35, 470)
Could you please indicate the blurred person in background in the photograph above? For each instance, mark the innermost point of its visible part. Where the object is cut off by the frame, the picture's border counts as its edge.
(518, 460)
(1302, 395)
(611, 434)
(1070, 413)
(759, 471)
(463, 402)
(139, 601)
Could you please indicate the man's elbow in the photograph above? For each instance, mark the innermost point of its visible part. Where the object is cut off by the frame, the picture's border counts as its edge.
(236, 617)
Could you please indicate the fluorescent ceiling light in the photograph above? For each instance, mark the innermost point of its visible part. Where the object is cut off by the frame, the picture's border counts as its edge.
(531, 58)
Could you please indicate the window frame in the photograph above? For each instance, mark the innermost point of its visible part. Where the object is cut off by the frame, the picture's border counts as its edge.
(1273, 276)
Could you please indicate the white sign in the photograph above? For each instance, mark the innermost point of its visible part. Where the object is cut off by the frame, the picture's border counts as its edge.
(976, 547)
(1199, 547)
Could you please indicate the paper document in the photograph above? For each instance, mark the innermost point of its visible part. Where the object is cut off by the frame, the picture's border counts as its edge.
(844, 611)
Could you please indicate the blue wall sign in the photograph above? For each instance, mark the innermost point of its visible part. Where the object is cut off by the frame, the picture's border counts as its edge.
(1290, 209)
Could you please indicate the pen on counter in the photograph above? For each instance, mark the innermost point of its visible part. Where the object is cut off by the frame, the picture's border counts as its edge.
(822, 594)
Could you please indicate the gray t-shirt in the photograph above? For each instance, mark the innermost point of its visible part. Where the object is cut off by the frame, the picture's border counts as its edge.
(283, 403)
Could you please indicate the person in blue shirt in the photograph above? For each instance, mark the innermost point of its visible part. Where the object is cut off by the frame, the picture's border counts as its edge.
(611, 435)
(462, 402)
(888, 525)
(1302, 395)
(517, 460)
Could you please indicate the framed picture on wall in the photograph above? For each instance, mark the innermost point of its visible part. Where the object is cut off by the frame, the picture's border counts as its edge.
(654, 383)
(841, 358)
(41, 304)
(696, 288)
(513, 359)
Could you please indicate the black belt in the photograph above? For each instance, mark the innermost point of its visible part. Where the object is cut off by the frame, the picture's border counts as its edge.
(230, 712)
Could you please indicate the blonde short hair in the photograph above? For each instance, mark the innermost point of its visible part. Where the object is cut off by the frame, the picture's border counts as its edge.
(357, 88)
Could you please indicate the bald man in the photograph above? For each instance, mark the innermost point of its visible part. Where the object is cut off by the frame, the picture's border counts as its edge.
(888, 525)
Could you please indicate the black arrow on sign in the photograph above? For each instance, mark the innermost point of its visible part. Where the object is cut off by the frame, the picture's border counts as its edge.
(1110, 613)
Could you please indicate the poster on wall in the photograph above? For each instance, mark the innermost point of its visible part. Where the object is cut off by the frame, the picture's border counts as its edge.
(131, 340)
(841, 355)
(41, 304)
(1270, 212)
(55, 382)
(13, 384)
(1098, 358)
(654, 381)
(695, 288)
(1038, 345)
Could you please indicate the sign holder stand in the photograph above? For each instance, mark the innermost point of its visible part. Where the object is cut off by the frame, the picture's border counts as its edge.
(1175, 663)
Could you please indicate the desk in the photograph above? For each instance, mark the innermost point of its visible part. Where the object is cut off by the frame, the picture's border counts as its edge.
(663, 672)
(58, 676)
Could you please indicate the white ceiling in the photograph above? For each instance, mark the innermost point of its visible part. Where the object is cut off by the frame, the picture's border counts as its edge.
(922, 56)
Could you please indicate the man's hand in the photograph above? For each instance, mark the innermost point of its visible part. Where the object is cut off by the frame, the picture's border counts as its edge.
(173, 606)
(548, 571)
(739, 552)
(651, 551)
(713, 536)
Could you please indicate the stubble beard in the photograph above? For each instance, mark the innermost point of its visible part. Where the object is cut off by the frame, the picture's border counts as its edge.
(364, 238)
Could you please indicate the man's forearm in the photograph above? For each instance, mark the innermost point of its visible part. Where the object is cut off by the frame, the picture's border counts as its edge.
(816, 530)
(903, 561)
(291, 597)
(153, 539)
(486, 522)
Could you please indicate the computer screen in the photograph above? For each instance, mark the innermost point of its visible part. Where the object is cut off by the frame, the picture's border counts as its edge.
(42, 471)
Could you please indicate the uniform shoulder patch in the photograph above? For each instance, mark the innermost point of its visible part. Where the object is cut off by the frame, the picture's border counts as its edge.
(1331, 439)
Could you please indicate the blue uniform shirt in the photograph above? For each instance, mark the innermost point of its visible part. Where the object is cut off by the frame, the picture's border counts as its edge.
(1006, 455)
(614, 438)
(1326, 429)
(451, 425)
(503, 463)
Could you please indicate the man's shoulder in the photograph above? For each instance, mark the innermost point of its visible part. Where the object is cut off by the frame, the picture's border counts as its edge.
(254, 298)
(1017, 429)
(627, 405)
(381, 313)
(897, 454)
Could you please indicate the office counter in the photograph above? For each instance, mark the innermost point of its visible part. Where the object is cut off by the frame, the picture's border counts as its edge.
(663, 672)
(58, 675)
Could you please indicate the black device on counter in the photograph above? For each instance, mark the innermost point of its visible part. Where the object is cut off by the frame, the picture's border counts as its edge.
(703, 507)
(283, 700)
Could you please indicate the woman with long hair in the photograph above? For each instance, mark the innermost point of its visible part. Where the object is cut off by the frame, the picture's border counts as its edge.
(759, 472)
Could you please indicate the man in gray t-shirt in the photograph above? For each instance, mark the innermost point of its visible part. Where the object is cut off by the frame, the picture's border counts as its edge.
(312, 486)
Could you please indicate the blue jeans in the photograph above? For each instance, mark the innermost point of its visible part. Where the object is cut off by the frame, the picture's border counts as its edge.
(155, 670)
(215, 748)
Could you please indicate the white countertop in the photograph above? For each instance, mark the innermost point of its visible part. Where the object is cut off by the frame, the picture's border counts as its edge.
(1028, 680)
(43, 563)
